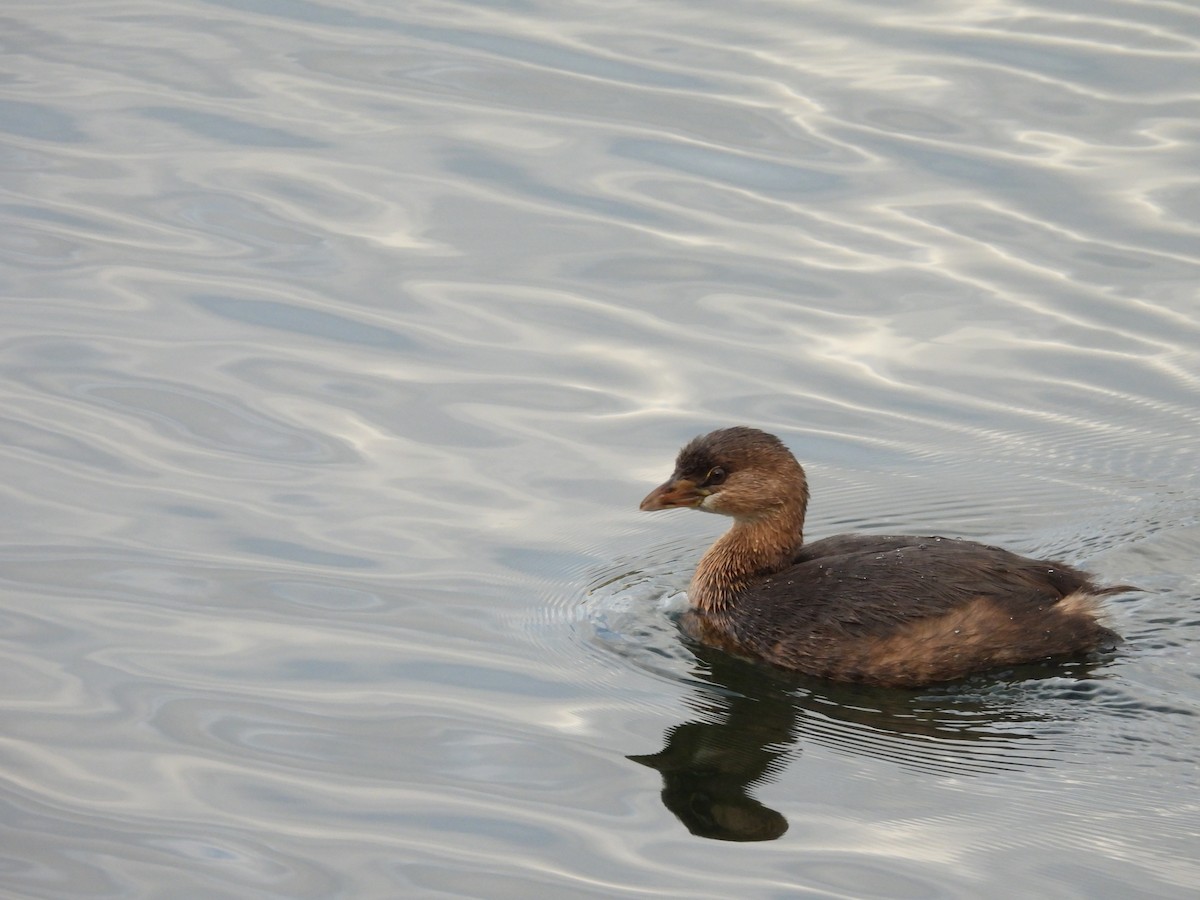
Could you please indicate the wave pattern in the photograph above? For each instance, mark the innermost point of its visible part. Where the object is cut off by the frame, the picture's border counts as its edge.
(341, 338)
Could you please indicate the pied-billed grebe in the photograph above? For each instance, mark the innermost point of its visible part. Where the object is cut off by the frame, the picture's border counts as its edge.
(900, 611)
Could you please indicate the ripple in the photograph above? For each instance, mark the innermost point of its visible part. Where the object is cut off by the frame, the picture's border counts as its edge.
(228, 128)
(987, 724)
(630, 613)
(35, 120)
(343, 338)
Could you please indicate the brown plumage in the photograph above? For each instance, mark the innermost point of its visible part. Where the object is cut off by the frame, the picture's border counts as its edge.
(901, 611)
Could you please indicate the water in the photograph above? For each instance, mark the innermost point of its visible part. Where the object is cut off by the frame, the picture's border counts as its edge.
(341, 340)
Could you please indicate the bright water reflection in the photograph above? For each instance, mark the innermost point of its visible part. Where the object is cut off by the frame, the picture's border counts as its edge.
(341, 338)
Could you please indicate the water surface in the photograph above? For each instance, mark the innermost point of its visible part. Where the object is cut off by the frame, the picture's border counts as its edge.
(341, 339)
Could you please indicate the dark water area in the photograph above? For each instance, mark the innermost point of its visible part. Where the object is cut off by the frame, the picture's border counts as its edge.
(341, 340)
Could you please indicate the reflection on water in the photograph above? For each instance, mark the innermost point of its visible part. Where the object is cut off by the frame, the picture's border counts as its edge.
(751, 721)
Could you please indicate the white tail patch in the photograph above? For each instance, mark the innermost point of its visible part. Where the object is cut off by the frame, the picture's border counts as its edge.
(1081, 603)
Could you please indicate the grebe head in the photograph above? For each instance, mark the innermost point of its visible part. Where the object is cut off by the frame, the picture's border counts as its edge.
(740, 472)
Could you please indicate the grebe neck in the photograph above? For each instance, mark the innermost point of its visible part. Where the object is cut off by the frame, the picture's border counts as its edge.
(753, 548)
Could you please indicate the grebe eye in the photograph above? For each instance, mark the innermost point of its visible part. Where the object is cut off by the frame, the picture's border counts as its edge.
(715, 476)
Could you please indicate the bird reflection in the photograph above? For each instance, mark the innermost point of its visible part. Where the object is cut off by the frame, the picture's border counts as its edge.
(709, 765)
(750, 721)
